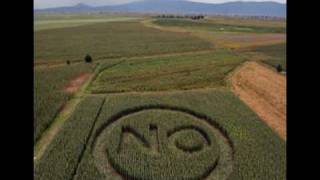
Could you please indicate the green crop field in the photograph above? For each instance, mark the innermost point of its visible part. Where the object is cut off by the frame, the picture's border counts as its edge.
(54, 24)
(168, 73)
(44, 22)
(157, 104)
(276, 54)
(144, 137)
(110, 40)
(49, 96)
(210, 26)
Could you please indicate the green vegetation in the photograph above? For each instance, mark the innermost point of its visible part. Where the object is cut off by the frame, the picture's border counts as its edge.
(246, 147)
(61, 159)
(111, 40)
(75, 16)
(167, 73)
(247, 21)
(197, 134)
(190, 141)
(276, 54)
(49, 96)
(279, 68)
(88, 59)
(211, 26)
(54, 21)
(153, 132)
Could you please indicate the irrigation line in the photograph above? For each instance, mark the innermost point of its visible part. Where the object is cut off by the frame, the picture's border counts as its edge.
(52, 130)
(87, 140)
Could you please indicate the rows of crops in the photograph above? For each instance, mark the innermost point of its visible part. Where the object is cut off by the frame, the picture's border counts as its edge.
(195, 134)
(276, 54)
(72, 22)
(49, 96)
(109, 40)
(137, 137)
(247, 21)
(210, 26)
(60, 160)
(168, 73)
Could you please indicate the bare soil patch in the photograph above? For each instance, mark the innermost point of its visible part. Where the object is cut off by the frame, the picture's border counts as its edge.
(255, 37)
(241, 40)
(73, 85)
(264, 91)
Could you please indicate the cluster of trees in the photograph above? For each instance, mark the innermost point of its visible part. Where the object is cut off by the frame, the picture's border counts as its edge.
(254, 17)
(194, 17)
(87, 59)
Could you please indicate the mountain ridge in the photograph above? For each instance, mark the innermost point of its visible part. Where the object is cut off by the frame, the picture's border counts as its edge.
(242, 8)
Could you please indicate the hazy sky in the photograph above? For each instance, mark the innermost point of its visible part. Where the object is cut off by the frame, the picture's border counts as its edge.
(56, 3)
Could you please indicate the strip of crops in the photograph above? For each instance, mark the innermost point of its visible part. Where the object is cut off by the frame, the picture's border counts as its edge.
(210, 26)
(277, 54)
(241, 146)
(110, 40)
(65, 23)
(61, 159)
(166, 73)
(49, 96)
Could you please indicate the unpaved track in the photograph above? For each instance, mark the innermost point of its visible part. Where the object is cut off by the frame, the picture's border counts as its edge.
(77, 82)
(47, 137)
(264, 91)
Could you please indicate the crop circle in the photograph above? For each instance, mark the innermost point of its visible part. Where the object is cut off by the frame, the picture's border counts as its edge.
(189, 141)
(162, 143)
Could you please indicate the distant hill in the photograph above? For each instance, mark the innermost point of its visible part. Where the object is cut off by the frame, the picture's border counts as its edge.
(184, 7)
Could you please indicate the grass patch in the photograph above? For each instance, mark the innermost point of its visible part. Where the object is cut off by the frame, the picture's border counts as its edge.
(212, 26)
(168, 73)
(111, 40)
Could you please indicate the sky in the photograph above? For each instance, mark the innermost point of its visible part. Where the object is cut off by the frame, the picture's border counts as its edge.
(56, 3)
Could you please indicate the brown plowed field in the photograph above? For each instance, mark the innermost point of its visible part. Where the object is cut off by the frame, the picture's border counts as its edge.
(264, 91)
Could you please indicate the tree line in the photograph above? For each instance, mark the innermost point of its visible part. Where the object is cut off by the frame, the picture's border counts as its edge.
(171, 16)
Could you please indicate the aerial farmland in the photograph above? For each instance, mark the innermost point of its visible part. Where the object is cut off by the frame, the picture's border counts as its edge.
(119, 96)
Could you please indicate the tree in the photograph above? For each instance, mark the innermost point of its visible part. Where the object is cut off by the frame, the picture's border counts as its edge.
(68, 62)
(279, 68)
(88, 59)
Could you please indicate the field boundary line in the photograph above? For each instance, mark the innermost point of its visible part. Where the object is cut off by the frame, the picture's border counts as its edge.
(74, 173)
(204, 89)
(62, 116)
(44, 65)
(207, 35)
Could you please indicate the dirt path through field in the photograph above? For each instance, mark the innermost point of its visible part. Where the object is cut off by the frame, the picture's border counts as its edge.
(264, 91)
(79, 84)
(76, 83)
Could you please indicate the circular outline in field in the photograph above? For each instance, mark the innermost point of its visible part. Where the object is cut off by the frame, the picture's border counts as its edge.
(227, 158)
